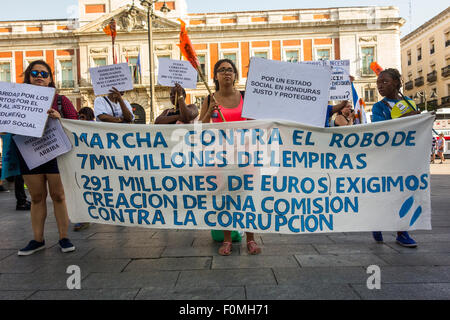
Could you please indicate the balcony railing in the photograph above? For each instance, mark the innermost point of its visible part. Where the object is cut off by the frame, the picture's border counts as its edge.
(432, 104)
(367, 72)
(419, 82)
(67, 84)
(446, 71)
(432, 77)
(445, 101)
(409, 85)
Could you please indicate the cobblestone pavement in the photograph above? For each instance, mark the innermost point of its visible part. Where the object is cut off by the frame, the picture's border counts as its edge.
(137, 263)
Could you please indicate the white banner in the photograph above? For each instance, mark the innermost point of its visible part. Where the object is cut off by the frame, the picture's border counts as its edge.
(23, 108)
(287, 91)
(255, 176)
(106, 77)
(171, 72)
(37, 151)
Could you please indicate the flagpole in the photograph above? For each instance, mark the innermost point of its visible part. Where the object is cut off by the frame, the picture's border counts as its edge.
(209, 90)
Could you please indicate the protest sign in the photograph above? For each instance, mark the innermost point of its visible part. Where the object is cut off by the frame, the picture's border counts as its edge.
(255, 176)
(37, 151)
(171, 72)
(106, 77)
(341, 86)
(287, 91)
(23, 108)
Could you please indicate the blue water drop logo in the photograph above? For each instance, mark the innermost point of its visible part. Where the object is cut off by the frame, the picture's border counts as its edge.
(405, 209)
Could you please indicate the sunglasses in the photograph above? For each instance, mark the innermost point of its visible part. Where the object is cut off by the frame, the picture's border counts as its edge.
(35, 74)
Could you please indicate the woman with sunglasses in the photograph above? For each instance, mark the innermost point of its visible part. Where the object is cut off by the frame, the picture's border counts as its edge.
(39, 73)
(229, 101)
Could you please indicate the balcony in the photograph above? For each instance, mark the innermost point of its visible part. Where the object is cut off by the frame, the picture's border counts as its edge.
(432, 77)
(421, 106)
(67, 84)
(432, 104)
(419, 82)
(445, 101)
(446, 71)
(367, 72)
(409, 85)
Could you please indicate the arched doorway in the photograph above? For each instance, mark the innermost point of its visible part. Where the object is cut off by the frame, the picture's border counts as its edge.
(139, 113)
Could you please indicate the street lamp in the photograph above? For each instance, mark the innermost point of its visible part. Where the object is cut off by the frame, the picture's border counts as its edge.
(150, 14)
(423, 95)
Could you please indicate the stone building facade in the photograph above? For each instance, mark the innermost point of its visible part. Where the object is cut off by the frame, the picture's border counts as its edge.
(426, 63)
(72, 46)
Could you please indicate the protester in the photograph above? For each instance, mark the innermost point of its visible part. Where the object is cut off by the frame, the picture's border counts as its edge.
(389, 84)
(433, 149)
(22, 204)
(86, 114)
(39, 73)
(182, 113)
(345, 116)
(440, 147)
(229, 101)
(113, 108)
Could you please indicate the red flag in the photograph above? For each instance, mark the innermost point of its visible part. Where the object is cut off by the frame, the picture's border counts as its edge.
(376, 68)
(186, 46)
(110, 29)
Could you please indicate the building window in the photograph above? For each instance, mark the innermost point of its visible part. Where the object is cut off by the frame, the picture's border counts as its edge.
(5, 71)
(231, 56)
(323, 54)
(368, 56)
(292, 55)
(202, 60)
(261, 54)
(409, 57)
(432, 48)
(132, 63)
(99, 62)
(67, 74)
(447, 38)
(419, 54)
(369, 95)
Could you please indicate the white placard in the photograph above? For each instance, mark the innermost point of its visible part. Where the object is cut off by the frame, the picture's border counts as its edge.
(171, 72)
(37, 151)
(340, 86)
(106, 77)
(287, 91)
(23, 108)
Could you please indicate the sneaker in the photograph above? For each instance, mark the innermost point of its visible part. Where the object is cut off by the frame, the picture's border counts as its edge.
(31, 248)
(405, 240)
(66, 245)
(24, 206)
(378, 236)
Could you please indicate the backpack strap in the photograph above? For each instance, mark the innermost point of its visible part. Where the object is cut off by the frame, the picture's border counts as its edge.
(59, 102)
(110, 105)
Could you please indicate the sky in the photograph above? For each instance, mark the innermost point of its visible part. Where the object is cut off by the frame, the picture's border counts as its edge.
(422, 11)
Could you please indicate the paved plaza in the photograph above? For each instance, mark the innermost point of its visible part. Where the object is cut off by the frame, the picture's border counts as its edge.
(137, 263)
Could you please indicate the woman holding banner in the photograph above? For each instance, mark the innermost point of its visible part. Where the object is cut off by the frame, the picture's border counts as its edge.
(39, 73)
(393, 105)
(229, 102)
